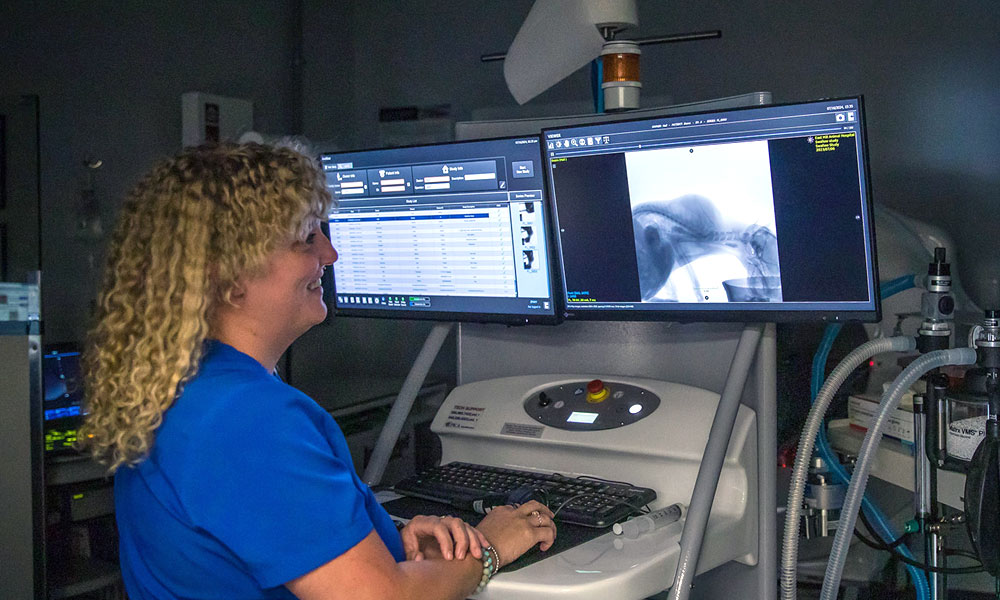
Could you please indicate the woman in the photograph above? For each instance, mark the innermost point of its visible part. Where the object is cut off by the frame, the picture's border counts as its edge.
(229, 483)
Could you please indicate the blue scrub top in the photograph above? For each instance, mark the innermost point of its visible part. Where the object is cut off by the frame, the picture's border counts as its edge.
(249, 485)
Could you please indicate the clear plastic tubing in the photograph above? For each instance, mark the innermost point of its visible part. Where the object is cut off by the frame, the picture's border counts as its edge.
(859, 480)
(790, 544)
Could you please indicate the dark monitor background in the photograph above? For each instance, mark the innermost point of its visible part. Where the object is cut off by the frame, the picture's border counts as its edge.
(455, 231)
(62, 406)
(754, 214)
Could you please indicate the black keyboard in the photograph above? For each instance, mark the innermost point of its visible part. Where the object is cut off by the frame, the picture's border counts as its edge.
(591, 502)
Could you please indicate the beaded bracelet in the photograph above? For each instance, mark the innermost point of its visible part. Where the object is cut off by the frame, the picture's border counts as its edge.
(496, 558)
(488, 569)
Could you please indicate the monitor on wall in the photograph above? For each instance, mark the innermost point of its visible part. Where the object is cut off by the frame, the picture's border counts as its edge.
(453, 231)
(751, 214)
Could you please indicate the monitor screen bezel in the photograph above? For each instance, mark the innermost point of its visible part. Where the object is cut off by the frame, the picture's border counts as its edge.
(737, 315)
(555, 278)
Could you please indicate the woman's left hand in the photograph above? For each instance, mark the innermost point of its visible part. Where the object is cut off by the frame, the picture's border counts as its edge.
(441, 537)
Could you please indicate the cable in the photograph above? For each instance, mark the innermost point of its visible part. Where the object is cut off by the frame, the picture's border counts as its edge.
(970, 570)
(917, 564)
(596, 77)
(957, 552)
(879, 544)
(639, 509)
(600, 479)
(876, 545)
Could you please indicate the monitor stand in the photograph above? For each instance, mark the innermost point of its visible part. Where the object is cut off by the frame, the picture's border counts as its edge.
(375, 469)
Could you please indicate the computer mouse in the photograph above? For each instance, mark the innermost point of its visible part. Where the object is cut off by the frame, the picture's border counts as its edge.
(527, 493)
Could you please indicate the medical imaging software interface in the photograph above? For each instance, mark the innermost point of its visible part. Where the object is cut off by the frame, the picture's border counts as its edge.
(763, 211)
(453, 231)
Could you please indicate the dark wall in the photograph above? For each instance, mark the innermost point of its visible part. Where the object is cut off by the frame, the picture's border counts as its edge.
(109, 76)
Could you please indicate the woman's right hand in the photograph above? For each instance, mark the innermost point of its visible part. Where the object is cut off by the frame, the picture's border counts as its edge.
(514, 530)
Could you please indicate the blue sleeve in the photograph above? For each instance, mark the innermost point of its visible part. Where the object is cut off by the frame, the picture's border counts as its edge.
(270, 486)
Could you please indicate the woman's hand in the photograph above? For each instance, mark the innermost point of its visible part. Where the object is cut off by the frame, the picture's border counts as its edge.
(514, 531)
(441, 537)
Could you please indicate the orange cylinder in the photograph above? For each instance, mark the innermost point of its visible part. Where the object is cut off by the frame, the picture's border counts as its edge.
(620, 66)
(620, 82)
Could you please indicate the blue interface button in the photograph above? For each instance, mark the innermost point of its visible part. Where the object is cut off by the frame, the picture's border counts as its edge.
(523, 169)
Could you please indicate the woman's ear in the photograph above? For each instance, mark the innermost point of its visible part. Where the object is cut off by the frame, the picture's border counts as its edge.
(228, 293)
(234, 295)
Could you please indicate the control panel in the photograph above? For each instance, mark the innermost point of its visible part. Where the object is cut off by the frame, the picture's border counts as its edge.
(591, 405)
(508, 423)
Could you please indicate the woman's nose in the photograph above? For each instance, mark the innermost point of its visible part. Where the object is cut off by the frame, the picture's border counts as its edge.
(329, 253)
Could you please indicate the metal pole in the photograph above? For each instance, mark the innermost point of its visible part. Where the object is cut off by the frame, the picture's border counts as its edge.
(404, 403)
(711, 463)
(922, 487)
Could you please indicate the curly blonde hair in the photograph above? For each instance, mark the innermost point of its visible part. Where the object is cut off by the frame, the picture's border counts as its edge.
(187, 231)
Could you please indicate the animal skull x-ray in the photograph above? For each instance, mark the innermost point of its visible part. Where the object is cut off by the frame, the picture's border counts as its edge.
(704, 225)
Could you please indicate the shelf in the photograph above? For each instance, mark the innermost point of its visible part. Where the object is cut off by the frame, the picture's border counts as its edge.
(894, 462)
(80, 576)
(60, 470)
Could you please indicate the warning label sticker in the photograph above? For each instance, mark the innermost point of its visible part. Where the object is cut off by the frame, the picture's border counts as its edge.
(464, 417)
(532, 431)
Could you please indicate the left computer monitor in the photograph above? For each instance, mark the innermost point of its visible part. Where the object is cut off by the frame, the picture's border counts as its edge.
(452, 231)
(62, 408)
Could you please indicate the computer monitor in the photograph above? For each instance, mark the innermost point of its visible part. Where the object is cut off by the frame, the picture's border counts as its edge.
(63, 397)
(454, 231)
(752, 214)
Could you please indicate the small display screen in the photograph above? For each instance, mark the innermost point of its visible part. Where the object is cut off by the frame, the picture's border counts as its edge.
(62, 408)
(581, 417)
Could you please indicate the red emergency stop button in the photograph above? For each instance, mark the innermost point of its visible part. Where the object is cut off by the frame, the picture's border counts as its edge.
(596, 392)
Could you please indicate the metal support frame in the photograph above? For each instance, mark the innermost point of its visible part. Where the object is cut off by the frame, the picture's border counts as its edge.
(404, 403)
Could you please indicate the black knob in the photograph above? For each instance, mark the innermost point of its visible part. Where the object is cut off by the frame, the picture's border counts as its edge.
(939, 266)
(543, 399)
(946, 305)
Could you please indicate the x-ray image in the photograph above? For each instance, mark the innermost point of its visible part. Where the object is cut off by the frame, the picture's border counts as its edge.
(528, 260)
(527, 234)
(704, 226)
